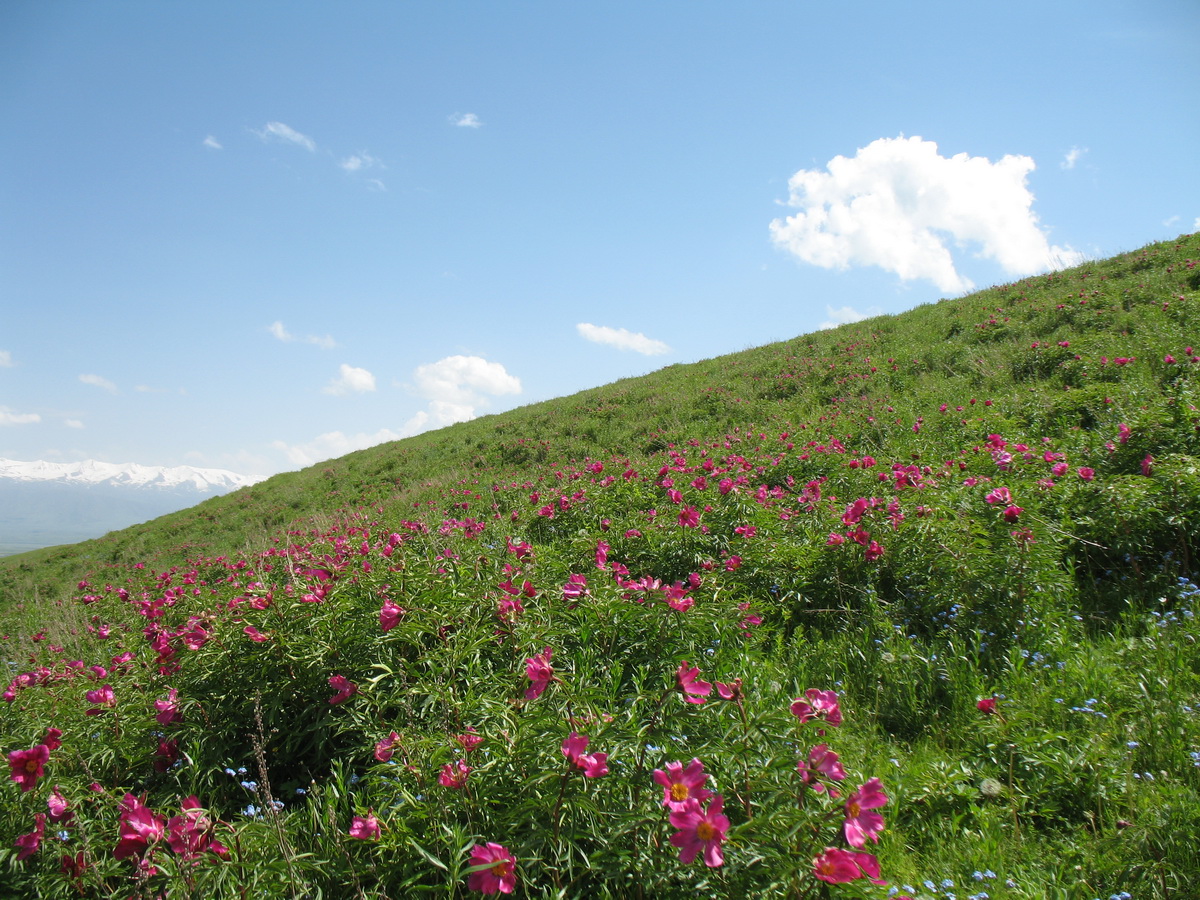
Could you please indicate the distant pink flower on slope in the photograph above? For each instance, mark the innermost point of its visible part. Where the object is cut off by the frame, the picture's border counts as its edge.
(700, 830)
(139, 828)
(594, 765)
(454, 775)
(168, 710)
(190, 834)
(687, 681)
(60, 809)
(500, 876)
(468, 740)
(821, 761)
(681, 785)
(539, 672)
(861, 823)
(345, 689)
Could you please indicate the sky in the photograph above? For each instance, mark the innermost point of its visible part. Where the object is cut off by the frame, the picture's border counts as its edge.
(255, 236)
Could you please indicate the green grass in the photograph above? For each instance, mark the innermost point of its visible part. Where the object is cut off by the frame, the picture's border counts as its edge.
(1075, 609)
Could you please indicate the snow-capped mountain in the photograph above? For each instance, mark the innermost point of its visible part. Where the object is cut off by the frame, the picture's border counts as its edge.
(44, 503)
(92, 471)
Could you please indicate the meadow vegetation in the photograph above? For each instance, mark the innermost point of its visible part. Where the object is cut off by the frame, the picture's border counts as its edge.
(905, 608)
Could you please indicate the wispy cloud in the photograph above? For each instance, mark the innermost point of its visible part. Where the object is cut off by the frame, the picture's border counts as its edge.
(622, 339)
(100, 382)
(466, 120)
(846, 315)
(6, 360)
(1072, 156)
(360, 161)
(280, 132)
(8, 417)
(898, 203)
(212, 143)
(277, 329)
(350, 380)
(73, 423)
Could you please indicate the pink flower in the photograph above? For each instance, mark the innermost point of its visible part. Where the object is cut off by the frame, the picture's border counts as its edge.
(594, 765)
(987, 705)
(860, 822)
(837, 866)
(575, 588)
(168, 710)
(469, 740)
(345, 689)
(689, 517)
(1086, 474)
(389, 615)
(1147, 465)
(60, 809)
(821, 761)
(500, 874)
(700, 830)
(255, 635)
(139, 828)
(539, 672)
(874, 551)
(681, 785)
(190, 834)
(166, 754)
(818, 705)
(53, 739)
(687, 681)
(1012, 514)
(101, 697)
(383, 749)
(27, 765)
(454, 775)
(27, 844)
(365, 828)
(1124, 431)
(731, 691)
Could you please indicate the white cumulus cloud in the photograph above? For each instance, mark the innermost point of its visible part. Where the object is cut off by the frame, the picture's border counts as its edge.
(332, 444)
(359, 161)
(898, 203)
(281, 333)
(280, 132)
(457, 386)
(622, 339)
(351, 380)
(8, 417)
(846, 315)
(466, 120)
(100, 382)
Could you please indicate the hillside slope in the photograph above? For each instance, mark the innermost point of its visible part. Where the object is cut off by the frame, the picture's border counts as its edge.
(913, 601)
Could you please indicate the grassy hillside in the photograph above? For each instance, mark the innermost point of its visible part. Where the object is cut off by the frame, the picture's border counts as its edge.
(469, 661)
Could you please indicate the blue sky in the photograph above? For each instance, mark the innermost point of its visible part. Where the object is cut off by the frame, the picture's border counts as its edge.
(253, 236)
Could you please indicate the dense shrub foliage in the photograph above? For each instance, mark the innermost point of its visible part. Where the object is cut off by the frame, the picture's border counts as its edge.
(902, 609)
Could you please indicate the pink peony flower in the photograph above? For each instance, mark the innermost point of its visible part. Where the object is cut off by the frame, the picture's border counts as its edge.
(27, 844)
(28, 765)
(190, 834)
(594, 765)
(168, 710)
(139, 828)
(365, 828)
(60, 809)
(1086, 473)
(987, 705)
(861, 823)
(837, 866)
(821, 761)
(700, 830)
(469, 740)
(389, 615)
(454, 775)
(383, 748)
(539, 672)
(817, 704)
(688, 683)
(500, 873)
(345, 689)
(255, 635)
(682, 785)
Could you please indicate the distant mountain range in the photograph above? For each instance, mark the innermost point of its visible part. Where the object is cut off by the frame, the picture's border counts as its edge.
(43, 504)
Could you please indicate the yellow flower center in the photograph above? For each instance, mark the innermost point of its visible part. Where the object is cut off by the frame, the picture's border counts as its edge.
(31, 766)
(502, 869)
(679, 792)
(853, 809)
(705, 832)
